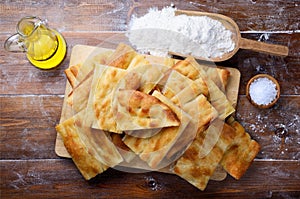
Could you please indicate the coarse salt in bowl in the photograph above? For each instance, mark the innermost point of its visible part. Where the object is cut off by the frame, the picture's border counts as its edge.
(263, 91)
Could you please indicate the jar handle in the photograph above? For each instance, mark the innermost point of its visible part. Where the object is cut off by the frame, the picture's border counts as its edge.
(15, 44)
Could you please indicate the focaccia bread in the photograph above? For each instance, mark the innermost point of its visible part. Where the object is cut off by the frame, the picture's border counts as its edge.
(191, 69)
(71, 74)
(80, 75)
(202, 114)
(138, 60)
(201, 159)
(78, 72)
(218, 75)
(175, 83)
(202, 111)
(78, 97)
(136, 110)
(242, 152)
(121, 57)
(84, 148)
(144, 77)
(154, 149)
(100, 114)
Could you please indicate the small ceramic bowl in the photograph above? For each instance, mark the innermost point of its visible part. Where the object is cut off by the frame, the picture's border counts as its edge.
(262, 105)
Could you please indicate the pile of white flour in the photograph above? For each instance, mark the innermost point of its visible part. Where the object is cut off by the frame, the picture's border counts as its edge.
(160, 31)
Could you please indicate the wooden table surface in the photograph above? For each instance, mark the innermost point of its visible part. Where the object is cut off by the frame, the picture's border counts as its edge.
(31, 102)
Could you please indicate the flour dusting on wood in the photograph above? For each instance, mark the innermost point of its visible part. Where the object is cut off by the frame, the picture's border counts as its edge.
(162, 31)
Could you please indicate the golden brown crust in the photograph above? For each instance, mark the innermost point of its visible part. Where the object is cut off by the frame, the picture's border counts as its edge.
(190, 68)
(85, 161)
(78, 97)
(118, 142)
(218, 75)
(71, 74)
(138, 60)
(154, 149)
(100, 100)
(201, 159)
(122, 56)
(138, 110)
(240, 155)
(201, 110)
(224, 75)
(184, 67)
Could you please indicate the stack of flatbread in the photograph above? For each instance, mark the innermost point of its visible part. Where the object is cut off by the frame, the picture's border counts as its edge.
(142, 112)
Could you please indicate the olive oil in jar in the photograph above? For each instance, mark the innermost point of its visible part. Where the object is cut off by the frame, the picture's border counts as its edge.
(48, 56)
(45, 48)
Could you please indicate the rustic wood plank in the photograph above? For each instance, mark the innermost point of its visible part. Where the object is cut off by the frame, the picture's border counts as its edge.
(21, 75)
(252, 15)
(102, 15)
(284, 69)
(266, 126)
(60, 178)
(27, 126)
(28, 122)
(266, 15)
(68, 15)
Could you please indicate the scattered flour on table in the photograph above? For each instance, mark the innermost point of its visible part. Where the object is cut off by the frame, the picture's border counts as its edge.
(160, 31)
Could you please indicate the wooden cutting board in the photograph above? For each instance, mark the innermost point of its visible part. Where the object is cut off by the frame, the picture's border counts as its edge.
(81, 52)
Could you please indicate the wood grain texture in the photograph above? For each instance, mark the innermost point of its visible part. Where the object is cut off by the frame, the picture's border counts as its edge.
(27, 126)
(103, 15)
(264, 125)
(31, 100)
(48, 179)
(284, 69)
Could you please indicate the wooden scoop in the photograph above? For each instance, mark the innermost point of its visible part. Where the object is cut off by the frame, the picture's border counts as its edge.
(240, 42)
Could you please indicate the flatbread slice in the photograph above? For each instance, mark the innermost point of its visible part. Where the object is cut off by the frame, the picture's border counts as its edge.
(202, 114)
(127, 154)
(78, 97)
(80, 77)
(241, 154)
(153, 150)
(185, 68)
(92, 152)
(202, 111)
(144, 77)
(175, 83)
(71, 74)
(79, 71)
(136, 110)
(217, 98)
(201, 159)
(218, 75)
(138, 60)
(100, 114)
(121, 57)
(187, 94)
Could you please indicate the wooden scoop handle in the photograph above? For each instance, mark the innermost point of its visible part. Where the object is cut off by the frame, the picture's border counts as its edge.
(258, 46)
